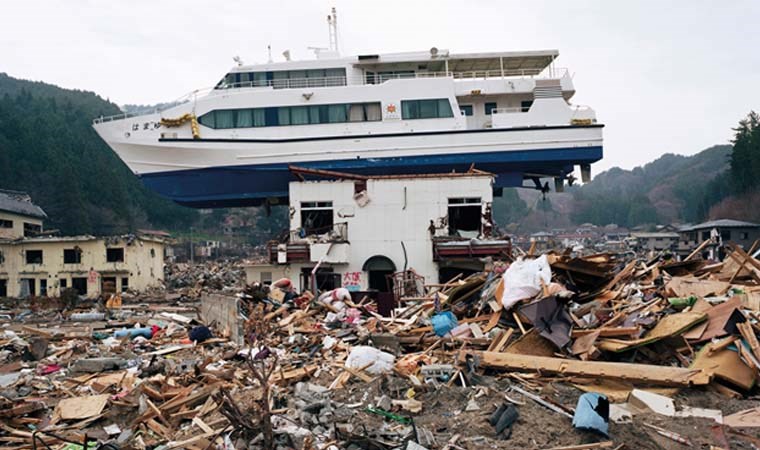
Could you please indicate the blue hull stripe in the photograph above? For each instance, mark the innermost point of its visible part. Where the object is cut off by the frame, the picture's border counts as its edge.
(252, 184)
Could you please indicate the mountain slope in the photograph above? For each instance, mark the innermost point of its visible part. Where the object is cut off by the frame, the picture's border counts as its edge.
(671, 188)
(49, 149)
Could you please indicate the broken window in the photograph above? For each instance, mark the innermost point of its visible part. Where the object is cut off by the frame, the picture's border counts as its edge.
(326, 279)
(316, 217)
(28, 287)
(32, 229)
(743, 236)
(3, 288)
(6, 223)
(80, 284)
(43, 286)
(114, 255)
(64, 283)
(34, 256)
(72, 255)
(725, 235)
(465, 216)
(108, 285)
(2, 257)
(124, 284)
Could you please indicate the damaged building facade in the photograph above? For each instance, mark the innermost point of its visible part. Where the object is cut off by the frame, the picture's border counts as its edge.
(355, 231)
(33, 264)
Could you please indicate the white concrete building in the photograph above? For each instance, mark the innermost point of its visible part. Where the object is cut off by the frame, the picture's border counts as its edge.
(358, 231)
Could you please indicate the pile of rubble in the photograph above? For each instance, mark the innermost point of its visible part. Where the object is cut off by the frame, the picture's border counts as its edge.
(194, 279)
(550, 351)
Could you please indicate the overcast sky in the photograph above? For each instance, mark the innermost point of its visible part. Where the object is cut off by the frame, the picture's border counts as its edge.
(664, 76)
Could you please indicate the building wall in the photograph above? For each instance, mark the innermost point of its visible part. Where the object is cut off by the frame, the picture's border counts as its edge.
(142, 268)
(399, 211)
(17, 230)
(743, 236)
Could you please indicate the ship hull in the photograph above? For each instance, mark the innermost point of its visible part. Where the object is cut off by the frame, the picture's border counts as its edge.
(223, 172)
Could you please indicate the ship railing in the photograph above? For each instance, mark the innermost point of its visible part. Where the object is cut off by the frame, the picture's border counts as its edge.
(287, 83)
(377, 78)
(513, 110)
(125, 115)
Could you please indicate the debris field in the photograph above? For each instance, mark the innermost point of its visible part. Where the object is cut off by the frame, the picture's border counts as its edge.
(551, 351)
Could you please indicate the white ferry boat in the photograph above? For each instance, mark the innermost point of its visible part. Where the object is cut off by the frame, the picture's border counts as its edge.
(435, 111)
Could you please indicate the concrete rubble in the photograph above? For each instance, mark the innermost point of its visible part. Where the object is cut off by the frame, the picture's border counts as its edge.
(545, 351)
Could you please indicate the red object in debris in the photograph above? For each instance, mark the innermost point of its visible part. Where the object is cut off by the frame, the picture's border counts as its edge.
(48, 369)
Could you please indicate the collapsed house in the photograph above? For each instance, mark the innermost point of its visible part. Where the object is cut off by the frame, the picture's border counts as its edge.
(356, 231)
(35, 264)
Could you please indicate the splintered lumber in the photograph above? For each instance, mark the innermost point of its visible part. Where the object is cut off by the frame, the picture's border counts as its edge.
(726, 365)
(660, 375)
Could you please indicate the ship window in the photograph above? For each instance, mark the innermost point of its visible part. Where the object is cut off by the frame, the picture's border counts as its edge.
(271, 117)
(466, 110)
(525, 105)
(259, 118)
(283, 116)
(337, 113)
(244, 118)
(260, 79)
(208, 119)
(490, 106)
(297, 115)
(426, 109)
(225, 118)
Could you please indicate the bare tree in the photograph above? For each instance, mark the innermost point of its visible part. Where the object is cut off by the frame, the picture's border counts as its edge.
(261, 362)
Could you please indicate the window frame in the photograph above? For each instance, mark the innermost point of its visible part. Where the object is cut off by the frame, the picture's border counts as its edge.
(274, 116)
(414, 109)
(77, 253)
(35, 261)
(110, 250)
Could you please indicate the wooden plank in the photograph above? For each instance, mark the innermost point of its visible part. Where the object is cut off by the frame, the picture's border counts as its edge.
(749, 335)
(660, 375)
(699, 249)
(606, 331)
(724, 364)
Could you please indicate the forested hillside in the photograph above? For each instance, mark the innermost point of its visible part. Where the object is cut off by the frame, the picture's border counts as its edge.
(49, 149)
(672, 188)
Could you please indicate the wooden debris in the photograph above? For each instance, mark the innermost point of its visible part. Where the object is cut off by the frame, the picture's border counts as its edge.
(662, 375)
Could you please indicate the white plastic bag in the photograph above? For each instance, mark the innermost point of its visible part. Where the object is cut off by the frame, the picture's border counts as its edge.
(523, 279)
(362, 355)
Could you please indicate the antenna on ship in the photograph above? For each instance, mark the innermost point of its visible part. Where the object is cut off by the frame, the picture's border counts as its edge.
(332, 24)
(269, 49)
